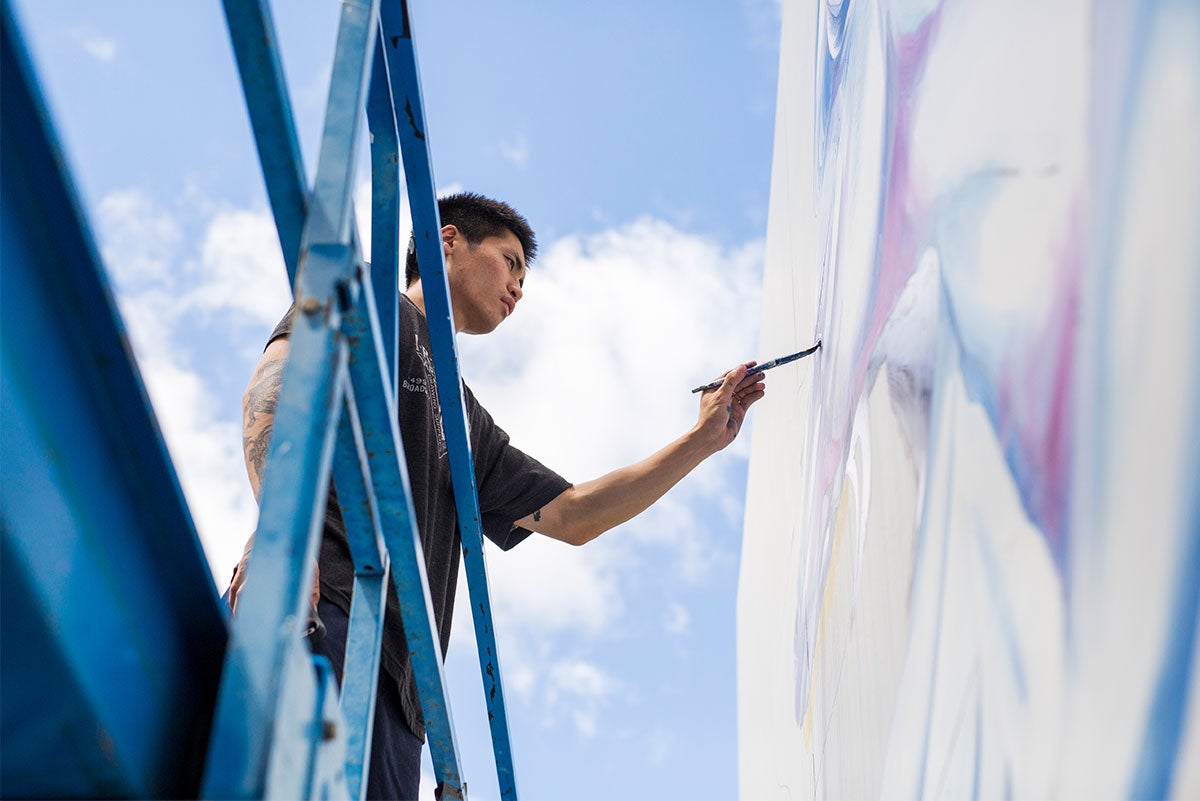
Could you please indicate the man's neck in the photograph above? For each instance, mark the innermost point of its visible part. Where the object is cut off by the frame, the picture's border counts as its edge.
(416, 295)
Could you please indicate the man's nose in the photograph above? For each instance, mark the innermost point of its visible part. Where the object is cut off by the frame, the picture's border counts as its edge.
(515, 290)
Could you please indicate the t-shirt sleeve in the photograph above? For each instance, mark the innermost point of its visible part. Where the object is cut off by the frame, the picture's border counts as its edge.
(284, 328)
(511, 484)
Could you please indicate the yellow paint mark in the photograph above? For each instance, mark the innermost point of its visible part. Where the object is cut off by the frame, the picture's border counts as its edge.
(827, 601)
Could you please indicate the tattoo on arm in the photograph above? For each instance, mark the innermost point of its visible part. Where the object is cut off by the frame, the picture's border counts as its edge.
(258, 416)
(537, 516)
(255, 448)
(263, 392)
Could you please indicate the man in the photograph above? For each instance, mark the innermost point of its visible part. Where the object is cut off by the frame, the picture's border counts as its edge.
(486, 245)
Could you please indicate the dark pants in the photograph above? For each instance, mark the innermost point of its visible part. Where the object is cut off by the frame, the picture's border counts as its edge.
(395, 771)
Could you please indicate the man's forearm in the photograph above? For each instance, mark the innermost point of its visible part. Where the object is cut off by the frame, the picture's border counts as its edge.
(587, 510)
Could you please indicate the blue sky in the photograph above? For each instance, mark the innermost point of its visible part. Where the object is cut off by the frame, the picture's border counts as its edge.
(636, 137)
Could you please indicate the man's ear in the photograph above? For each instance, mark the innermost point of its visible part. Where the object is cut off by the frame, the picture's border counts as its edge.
(450, 237)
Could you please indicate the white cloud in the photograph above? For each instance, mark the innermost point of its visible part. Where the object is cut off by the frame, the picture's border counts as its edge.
(577, 690)
(165, 273)
(140, 239)
(580, 678)
(98, 46)
(515, 151)
(658, 747)
(676, 618)
(241, 268)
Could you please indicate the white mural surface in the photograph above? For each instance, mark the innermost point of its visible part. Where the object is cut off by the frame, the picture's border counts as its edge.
(971, 564)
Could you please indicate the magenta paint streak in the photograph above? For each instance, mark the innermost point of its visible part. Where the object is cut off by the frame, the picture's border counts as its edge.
(902, 233)
(1036, 396)
(904, 214)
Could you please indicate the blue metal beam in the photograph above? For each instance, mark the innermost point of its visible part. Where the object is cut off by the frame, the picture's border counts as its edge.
(385, 204)
(329, 292)
(274, 604)
(256, 50)
(112, 628)
(389, 475)
(418, 171)
(339, 327)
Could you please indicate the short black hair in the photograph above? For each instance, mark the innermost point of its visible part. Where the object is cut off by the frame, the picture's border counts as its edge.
(477, 217)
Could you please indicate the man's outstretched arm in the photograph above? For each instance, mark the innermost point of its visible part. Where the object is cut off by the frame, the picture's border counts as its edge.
(587, 510)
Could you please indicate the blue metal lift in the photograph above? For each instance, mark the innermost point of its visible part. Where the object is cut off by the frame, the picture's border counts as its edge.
(278, 728)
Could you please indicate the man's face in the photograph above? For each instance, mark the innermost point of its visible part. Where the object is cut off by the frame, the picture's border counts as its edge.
(485, 279)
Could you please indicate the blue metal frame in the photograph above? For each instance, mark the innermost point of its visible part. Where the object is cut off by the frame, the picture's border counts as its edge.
(112, 628)
(336, 417)
(418, 170)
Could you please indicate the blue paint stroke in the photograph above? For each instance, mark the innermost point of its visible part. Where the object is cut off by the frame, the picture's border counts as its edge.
(959, 214)
(939, 401)
(1164, 726)
(832, 16)
(978, 740)
(1004, 610)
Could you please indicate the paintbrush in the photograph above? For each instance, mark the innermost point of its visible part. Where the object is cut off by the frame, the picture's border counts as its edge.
(759, 368)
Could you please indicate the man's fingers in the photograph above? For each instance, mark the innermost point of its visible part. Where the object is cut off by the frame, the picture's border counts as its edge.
(751, 397)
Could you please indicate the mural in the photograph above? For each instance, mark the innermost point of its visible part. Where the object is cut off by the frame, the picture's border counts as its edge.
(971, 563)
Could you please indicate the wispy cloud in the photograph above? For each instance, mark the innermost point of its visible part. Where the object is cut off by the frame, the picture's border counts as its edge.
(98, 46)
(176, 275)
(515, 150)
(676, 618)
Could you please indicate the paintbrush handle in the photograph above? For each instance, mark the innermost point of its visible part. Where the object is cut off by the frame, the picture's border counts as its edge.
(759, 368)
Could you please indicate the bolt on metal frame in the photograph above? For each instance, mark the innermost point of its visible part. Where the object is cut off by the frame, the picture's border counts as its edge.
(275, 732)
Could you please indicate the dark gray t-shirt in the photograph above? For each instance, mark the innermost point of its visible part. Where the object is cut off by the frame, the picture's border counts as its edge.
(511, 485)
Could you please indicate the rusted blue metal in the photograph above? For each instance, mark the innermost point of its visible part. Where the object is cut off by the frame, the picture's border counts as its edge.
(339, 325)
(385, 204)
(418, 171)
(256, 50)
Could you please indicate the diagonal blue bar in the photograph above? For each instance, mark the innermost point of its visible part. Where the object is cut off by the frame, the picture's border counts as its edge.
(274, 603)
(360, 678)
(356, 493)
(418, 170)
(332, 209)
(252, 32)
(330, 217)
(385, 204)
(333, 297)
(389, 476)
(247, 740)
(112, 634)
(356, 499)
(327, 293)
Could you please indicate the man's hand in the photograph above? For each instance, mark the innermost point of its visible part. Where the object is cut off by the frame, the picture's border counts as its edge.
(239, 579)
(723, 409)
(585, 511)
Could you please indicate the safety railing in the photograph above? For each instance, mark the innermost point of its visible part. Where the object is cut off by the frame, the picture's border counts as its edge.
(277, 731)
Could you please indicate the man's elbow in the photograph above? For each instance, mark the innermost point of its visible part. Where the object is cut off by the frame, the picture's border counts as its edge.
(569, 529)
(581, 529)
(578, 535)
(576, 525)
